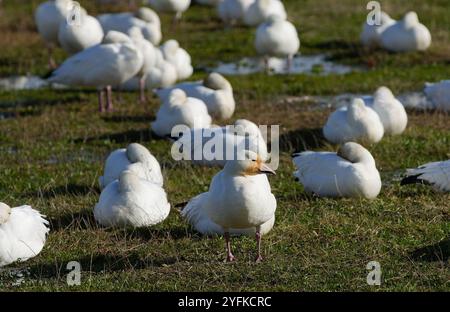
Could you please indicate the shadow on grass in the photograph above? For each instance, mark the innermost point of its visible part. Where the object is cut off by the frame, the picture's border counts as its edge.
(70, 189)
(437, 252)
(143, 135)
(128, 118)
(83, 220)
(174, 232)
(302, 140)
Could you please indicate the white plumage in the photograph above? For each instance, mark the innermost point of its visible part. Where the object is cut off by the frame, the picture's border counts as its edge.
(170, 6)
(354, 123)
(260, 10)
(215, 91)
(23, 232)
(48, 17)
(349, 173)
(439, 94)
(135, 158)
(131, 201)
(232, 11)
(437, 174)
(178, 57)
(406, 35)
(179, 109)
(371, 34)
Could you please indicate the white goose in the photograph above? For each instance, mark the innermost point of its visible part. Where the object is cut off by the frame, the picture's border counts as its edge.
(406, 35)
(354, 123)
(436, 174)
(277, 37)
(120, 60)
(144, 18)
(178, 57)
(131, 201)
(214, 90)
(135, 158)
(439, 94)
(260, 10)
(239, 197)
(23, 232)
(171, 6)
(232, 11)
(179, 109)
(371, 34)
(391, 112)
(351, 172)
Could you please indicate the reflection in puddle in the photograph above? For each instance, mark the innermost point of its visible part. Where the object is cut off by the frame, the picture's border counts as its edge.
(26, 83)
(302, 64)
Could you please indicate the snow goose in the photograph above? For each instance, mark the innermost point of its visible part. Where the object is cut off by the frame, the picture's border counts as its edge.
(120, 60)
(77, 35)
(351, 172)
(178, 109)
(170, 6)
(436, 174)
(371, 34)
(178, 57)
(23, 232)
(232, 11)
(260, 10)
(135, 158)
(391, 112)
(439, 94)
(145, 18)
(406, 35)
(131, 201)
(354, 123)
(214, 90)
(277, 37)
(239, 197)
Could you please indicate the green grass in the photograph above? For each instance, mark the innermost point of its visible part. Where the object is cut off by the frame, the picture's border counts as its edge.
(52, 154)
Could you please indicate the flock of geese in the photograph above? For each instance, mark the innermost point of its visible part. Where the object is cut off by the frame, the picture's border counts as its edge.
(121, 50)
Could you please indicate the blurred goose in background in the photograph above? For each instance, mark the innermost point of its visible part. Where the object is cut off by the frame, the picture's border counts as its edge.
(239, 198)
(371, 34)
(436, 174)
(131, 201)
(80, 33)
(391, 112)
(23, 232)
(260, 10)
(215, 91)
(351, 172)
(144, 18)
(178, 57)
(103, 66)
(277, 37)
(439, 94)
(170, 6)
(135, 158)
(229, 142)
(178, 109)
(232, 11)
(354, 123)
(406, 35)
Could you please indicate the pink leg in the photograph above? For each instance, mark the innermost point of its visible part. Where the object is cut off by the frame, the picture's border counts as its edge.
(230, 257)
(289, 63)
(142, 98)
(109, 104)
(51, 62)
(100, 100)
(258, 243)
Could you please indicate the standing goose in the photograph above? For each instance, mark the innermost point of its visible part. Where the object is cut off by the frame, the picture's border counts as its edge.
(260, 10)
(371, 34)
(178, 57)
(439, 94)
(436, 174)
(103, 66)
(351, 172)
(214, 90)
(135, 158)
(131, 201)
(23, 232)
(354, 123)
(232, 11)
(171, 6)
(239, 197)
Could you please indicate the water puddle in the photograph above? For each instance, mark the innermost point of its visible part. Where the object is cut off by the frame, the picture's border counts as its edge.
(26, 83)
(301, 64)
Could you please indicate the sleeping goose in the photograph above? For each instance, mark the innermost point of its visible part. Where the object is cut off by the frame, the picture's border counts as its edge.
(439, 94)
(178, 57)
(171, 6)
(260, 10)
(178, 109)
(215, 91)
(135, 158)
(232, 11)
(406, 35)
(371, 34)
(436, 174)
(239, 198)
(131, 201)
(351, 172)
(23, 232)
(354, 123)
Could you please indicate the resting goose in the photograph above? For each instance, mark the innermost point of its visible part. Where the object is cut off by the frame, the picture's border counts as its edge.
(439, 94)
(178, 57)
(354, 123)
(178, 109)
(215, 91)
(23, 232)
(436, 174)
(171, 6)
(351, 172)
(371, 34)
(131, 201)
(239, 198)
(135, 158)
(260, 10)
(232, 11)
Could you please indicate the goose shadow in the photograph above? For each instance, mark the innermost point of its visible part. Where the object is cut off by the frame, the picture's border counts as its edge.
(344, 49)
(149, 233)
(69, 189)
(83, 220)
(432, 253)
(302, 140)
(142, 135)
(119, 119)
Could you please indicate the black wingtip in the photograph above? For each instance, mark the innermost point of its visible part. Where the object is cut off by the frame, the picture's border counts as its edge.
(415, 179)
(180, 206)
(295, 154)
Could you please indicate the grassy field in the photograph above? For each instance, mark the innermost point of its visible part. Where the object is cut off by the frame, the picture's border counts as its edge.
(52, 153)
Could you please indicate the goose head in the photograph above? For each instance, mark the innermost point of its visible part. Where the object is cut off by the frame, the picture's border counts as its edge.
(176, 97)
(147, 15)
(249, 165)
(116, 37)
(170, 47)
(216, 81)
(245, 127)
(5, 212)
(410, 19)
(135, 34)
(137, 153)
(384, 93)
(355, 153)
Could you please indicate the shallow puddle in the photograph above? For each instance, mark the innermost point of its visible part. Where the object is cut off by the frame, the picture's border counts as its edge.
(26, 83)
